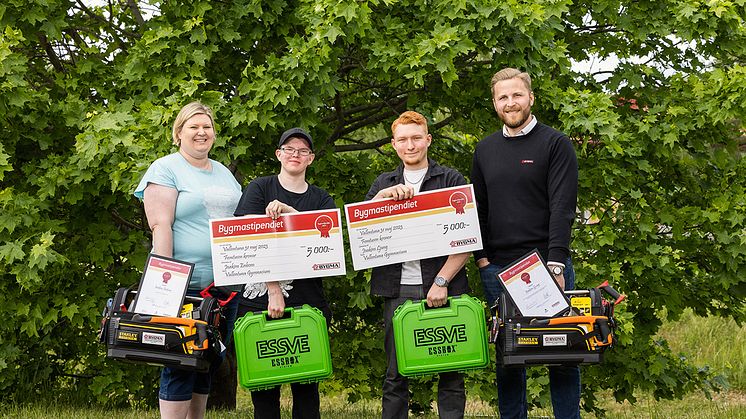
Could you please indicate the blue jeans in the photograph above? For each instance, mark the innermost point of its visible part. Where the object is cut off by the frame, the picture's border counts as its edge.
(177, 384)
(564, 382)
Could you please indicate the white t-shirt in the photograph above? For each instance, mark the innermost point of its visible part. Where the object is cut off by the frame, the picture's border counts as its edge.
(411, 273)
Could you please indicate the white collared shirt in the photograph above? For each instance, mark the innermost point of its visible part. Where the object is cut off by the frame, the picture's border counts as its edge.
(524, 131)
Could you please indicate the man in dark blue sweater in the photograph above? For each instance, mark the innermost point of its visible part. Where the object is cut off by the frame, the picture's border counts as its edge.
(525, 180)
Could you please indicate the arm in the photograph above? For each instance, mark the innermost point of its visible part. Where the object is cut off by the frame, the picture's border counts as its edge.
(437, 296)
(253, 202)
(160, 207)
(483, 210)
(275, 300)
(562, 186)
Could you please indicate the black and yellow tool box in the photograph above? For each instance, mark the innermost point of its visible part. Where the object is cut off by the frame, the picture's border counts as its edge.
(191, 341)
(581, 336)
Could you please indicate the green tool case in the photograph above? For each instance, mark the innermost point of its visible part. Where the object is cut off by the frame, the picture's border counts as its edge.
(292, 349)
(443, 339)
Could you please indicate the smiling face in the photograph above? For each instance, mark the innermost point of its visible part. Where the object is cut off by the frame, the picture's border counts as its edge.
(513, 101)
(197, 136)
(294, 164)
(411, 142)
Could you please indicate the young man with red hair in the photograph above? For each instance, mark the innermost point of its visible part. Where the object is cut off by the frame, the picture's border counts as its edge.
(433, 279)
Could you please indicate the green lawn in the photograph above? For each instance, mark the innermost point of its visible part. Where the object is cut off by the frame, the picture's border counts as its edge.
(714, 341)
(725, 406)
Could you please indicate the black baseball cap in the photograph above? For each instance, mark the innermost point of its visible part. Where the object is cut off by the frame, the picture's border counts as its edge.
(295, 132)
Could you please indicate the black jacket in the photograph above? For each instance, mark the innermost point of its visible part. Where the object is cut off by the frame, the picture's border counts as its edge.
(385, 280)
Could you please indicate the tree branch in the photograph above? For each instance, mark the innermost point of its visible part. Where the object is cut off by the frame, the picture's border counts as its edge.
(383, 141)
(53, 58)
(108, 23)
(597, 29)
(362, 146)
(118, 218)
(443, 122)
(132, 4)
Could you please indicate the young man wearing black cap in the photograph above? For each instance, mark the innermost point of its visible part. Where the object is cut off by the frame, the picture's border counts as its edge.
(286, 192)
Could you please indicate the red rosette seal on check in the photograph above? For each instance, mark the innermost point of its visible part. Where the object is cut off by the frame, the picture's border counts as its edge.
(324, 224)
(458, 201)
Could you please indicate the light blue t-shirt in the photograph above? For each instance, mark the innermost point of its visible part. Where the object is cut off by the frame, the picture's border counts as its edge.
(203, 194)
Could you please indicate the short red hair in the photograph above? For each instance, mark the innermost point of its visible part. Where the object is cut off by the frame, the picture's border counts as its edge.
(409, 117)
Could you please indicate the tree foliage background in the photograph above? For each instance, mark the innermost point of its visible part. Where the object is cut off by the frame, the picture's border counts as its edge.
(88, 93)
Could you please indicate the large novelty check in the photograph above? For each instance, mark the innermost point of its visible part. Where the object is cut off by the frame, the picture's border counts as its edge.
(433, 223)
(257, 248)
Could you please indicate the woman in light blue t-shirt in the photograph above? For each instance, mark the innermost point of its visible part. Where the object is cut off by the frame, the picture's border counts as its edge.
(181, 192)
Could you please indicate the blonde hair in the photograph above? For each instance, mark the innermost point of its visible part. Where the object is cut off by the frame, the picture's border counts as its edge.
(510, 73)
(188, 111)
(409, 117)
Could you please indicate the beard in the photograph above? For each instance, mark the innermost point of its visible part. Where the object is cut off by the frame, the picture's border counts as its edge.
(515, 119)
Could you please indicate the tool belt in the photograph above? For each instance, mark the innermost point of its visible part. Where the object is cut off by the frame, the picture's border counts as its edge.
(190, 342)
(579, 337)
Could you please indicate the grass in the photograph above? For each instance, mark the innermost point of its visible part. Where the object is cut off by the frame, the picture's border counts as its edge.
(724, 406)
(712, 341)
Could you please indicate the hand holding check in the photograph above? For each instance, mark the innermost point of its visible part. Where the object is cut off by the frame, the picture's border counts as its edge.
(276, 208)
(397, 192)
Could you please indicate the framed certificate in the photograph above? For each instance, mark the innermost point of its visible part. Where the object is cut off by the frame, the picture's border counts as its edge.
(531, 287)
(163, 285)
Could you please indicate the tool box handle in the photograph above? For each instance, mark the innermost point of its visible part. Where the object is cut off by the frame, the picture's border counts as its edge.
(287, 314)
(612, 292)
(179, 321)
(604, 330)
(223, 297)
(567, 320)
(446, 305)
(288, 319)
(426, 312)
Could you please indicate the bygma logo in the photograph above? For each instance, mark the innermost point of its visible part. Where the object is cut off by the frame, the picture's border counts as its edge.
(440, 335)
(282, 346)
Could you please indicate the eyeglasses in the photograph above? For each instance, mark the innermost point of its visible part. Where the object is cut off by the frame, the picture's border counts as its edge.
(305, 152)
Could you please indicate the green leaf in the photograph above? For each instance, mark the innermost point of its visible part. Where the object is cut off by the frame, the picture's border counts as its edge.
(10, 252)
(69, 311)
